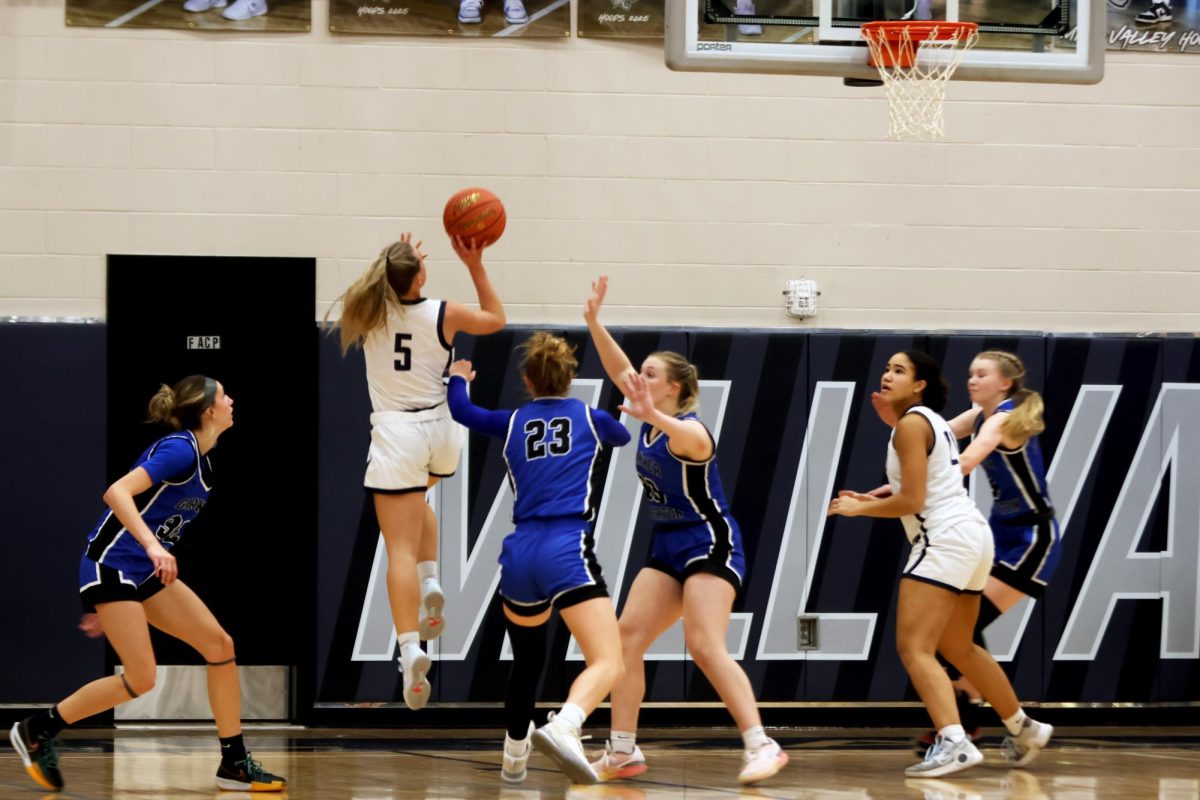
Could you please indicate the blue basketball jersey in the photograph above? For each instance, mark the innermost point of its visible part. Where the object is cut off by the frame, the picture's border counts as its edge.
(551, 450)
(1018, 477)
(182, 480)
(678, 490)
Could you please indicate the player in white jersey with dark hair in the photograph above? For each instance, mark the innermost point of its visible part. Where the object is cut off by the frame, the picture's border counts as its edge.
(407, 343)
(946, 571)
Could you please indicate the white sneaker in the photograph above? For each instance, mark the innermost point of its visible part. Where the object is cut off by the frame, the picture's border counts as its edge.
(416, 687)
(431, 620)
(945, 757)
(760, 764)
(513, 768)
(470, 12)
(242, 10)
(1023, 748)
(609, 765)
(746, 8)
(560, 742)
(514, 12)
(199, 6)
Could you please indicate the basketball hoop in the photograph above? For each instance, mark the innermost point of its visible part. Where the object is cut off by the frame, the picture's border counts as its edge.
(915, 59)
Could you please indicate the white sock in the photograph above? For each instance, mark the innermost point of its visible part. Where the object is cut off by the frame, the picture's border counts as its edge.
(952, 733)
(572, 715)
(755, 737)
(622, 741)
(1015, 723)
(515, 747)
(427, 569)
(409, 641)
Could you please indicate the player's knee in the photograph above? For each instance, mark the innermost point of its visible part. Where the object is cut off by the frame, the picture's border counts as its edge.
(705, 650)
(139, 678)
(634, 642)
(219, 648)
(913, 650)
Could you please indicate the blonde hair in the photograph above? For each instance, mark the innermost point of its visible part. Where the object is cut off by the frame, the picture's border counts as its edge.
(181, 406)
(365, 303)
(548, 361)
(683, 372)
(1026, 417)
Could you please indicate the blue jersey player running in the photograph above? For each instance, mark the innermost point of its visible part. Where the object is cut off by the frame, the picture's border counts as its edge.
(697, 564)
(551, 446)
(128, 582)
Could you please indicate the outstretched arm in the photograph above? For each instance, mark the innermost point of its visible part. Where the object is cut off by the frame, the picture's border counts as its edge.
(687, 438)
(988, 439)
(489, 317)
(911, 441)
(615, 362)
(464, 412)
(609, 430)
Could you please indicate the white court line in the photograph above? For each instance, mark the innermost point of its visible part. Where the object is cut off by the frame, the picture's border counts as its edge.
(1160, 755)
(137, 12)
(513, 29)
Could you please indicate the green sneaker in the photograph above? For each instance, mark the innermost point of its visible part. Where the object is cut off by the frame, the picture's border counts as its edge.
(41, 760)
(248, 776)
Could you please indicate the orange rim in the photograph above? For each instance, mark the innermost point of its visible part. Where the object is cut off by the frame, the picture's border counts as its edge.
(896, 41)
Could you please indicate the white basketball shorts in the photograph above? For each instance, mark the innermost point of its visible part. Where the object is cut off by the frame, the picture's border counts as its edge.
(956, 556)
(410, 447)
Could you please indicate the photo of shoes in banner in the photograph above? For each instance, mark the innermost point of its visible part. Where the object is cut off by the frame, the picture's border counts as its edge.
(268, 16)
(1156, 26)
(621, 19)
(501, 18)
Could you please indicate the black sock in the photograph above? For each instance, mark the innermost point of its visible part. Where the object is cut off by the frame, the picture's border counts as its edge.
(46, 723)
(529, 658)
(988, 613)
(233, 750)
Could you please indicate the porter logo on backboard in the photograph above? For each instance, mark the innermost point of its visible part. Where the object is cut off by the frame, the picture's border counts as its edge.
(722, 46)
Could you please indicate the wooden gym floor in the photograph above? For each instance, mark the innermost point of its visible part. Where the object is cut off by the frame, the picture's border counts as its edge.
(826, 764)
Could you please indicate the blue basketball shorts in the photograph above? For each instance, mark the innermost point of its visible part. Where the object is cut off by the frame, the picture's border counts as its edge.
(1027, 552)
(714, 547)
(549, 562)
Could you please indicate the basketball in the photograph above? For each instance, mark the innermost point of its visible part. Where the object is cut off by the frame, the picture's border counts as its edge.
(476, 215)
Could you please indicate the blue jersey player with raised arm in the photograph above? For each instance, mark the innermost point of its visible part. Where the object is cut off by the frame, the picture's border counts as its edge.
(696, 565)
(551, 448)
(128, 581)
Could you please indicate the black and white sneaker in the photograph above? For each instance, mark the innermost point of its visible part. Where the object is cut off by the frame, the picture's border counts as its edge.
(38, 755)
(1156, 14)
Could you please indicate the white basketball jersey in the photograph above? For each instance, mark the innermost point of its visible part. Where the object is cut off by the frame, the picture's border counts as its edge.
(407, 357)
(946, 500)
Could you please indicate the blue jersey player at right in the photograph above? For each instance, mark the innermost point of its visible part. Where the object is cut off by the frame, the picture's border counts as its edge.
(551, 447)
(697, 564)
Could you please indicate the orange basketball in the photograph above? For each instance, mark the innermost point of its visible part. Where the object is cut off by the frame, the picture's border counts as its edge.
(476, 215)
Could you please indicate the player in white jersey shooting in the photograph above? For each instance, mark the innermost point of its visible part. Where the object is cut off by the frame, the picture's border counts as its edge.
(407, 342)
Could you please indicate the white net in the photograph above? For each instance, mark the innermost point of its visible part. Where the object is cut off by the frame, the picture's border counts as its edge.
(915, 63)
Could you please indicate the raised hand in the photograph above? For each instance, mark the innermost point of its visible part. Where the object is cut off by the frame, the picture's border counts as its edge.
(406, 238)
(469, 254)
(637, 397)
(596, 298)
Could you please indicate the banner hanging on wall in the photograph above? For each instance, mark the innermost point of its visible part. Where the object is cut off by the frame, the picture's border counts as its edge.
(621, 19)
(469, 18)
(792, 417)
(266, 16)
(1162, 26)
